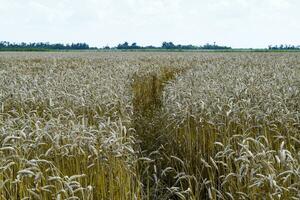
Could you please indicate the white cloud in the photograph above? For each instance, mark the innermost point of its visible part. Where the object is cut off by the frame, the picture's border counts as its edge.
(240, 23)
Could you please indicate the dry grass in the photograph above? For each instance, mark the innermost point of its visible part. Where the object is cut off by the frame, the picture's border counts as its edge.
(149, 126)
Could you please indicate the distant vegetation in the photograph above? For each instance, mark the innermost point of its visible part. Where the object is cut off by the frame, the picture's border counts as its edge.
(284, 47)
(171, 45)
(42, 46)
(7, 46)
(168, 46)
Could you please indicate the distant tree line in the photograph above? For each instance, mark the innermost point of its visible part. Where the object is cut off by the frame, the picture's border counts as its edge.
(284, 47)
(4, 45)
(7, 46)
(42, 46)
(169, 45)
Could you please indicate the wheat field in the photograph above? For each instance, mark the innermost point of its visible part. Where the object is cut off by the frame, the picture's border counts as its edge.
(129, 126)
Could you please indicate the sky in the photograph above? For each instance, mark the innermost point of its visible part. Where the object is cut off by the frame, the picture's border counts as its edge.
(235, 23)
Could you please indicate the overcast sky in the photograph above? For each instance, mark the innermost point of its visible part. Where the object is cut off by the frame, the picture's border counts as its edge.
(237, 23)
